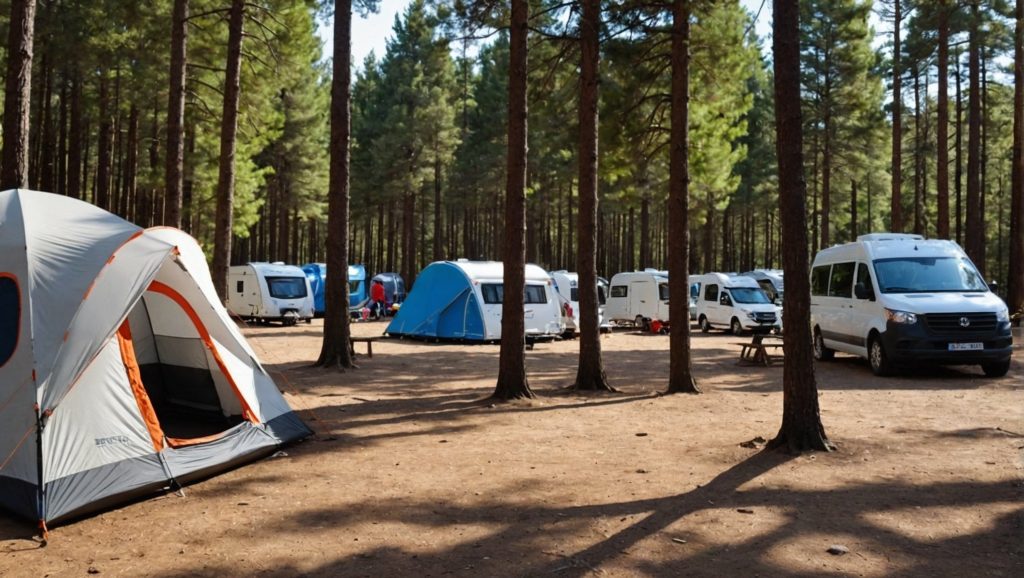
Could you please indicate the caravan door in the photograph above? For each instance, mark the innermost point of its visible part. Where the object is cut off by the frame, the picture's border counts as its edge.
(640, 303)
(493, 292)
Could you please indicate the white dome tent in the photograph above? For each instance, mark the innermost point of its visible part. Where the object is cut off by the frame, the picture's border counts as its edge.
(121, 374)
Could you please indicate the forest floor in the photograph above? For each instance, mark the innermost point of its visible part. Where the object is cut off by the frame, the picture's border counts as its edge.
(413, 472)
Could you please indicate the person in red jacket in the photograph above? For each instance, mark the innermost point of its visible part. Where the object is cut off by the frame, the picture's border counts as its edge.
(378, 300)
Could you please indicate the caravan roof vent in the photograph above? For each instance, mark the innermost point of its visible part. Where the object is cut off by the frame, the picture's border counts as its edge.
(890, 237)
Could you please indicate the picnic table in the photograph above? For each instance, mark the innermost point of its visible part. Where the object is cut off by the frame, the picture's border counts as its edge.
(367, 340)
(758, 351)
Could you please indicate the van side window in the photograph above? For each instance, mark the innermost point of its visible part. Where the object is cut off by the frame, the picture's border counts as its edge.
(864, 278)
(819, 280)
(711, 292)
(10, 316)
(841, 281)
(619, 290)
(725, 299)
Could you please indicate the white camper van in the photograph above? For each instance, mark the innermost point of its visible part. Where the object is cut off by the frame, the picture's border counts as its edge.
(567, 287)
(771, 281)
(638, 297)
(898, 299)
(269, 292)
(735, 303)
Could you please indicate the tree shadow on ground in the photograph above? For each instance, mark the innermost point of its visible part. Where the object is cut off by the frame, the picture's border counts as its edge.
(531, 539)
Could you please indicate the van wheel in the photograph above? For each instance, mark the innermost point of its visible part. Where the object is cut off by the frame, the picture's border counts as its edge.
(642, 323)
(821, 353)
(735, 326)
(997, 369)
(704, 325)
(879, 361)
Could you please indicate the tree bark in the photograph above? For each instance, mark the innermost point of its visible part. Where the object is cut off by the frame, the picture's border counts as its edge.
(590, 373)
(48, 144)
(103, 145)
(226, 170)
(853, 209)
(942, 130)
(174, 168)
(75, 138)
(18, 95)
(512, 382)
(1015, 279)
(680, 373)
(958, 174)
(896, 217)
(974, 236)
(335, 350)
(801, 419)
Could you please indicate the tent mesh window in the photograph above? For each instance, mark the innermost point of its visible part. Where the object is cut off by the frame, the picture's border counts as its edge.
(10, 316)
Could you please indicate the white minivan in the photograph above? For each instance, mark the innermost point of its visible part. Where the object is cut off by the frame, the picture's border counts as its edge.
(638, 297)
(734, 303)
(898, 299)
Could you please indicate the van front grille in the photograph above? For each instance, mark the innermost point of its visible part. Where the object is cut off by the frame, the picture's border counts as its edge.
(961, 323)
(764, 317)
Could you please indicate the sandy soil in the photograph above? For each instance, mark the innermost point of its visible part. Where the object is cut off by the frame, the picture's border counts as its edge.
(413, 472)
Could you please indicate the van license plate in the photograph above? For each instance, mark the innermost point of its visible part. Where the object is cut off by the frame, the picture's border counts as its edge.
(966, 346)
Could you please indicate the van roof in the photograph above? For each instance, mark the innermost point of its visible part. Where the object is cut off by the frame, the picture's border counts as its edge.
(274, 269)
(634, 274)
(889, 246)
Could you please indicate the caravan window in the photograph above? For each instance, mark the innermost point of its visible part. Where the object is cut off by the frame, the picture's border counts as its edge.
(574, 294)
(535, 294)
(287, 287)
(711, 292)
(494, 293)
(819, 280)
(355, 286)
(239, 286)
(601, 297)
(10, 316)
(619, 290)
(663, 291)
(841, 283)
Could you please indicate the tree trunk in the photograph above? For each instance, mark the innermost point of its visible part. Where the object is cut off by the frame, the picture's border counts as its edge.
(826, 180)
(1015, 280)
(680, 373)
(62, 137)
(974, 237)
(438, 224)
(18, 95)
(103, 145)
(129, 184)
(801, 419)
(942, 131)
(228, 130)
(853, 209)
(48, 144)
(75, 138)
(958, 175)
(919, 149)
(590, 371)
(896, 218)
(336, 349)
(512, 382)
(174, 168)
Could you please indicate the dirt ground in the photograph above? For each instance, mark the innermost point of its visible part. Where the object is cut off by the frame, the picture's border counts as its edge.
(412, 472)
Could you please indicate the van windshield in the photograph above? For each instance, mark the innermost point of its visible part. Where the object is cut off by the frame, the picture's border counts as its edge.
(287, 287)
(749, 295)
(927, 275)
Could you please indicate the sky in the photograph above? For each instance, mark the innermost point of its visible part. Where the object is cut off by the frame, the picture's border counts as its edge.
(373, 32)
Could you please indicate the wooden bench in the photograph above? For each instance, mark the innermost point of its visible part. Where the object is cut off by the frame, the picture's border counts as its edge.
(367, 340)
(756, 351)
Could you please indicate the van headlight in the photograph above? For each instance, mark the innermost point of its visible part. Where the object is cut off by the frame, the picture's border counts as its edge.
(751, 315)
(1003, 316)
(901, 317)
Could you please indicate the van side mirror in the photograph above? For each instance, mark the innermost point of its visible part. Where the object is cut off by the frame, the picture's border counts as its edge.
(861, 291)
(993, 286)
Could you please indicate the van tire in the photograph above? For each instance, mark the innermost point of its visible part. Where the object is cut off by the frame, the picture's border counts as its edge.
(877, 358)
(705, 327)
(821, 353)
(736, 327)
(997, 369)
(642, 323)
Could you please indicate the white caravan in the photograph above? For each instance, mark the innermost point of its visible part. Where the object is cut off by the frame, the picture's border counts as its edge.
(269, 292)
(898, 299)
(735, 303)
(567, 286)
(541, 308)
(638, 297)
